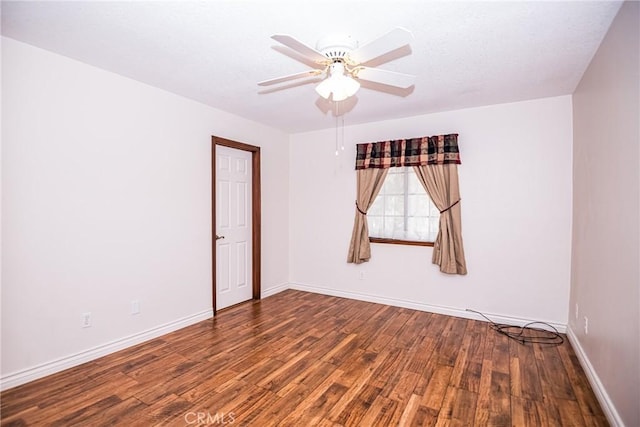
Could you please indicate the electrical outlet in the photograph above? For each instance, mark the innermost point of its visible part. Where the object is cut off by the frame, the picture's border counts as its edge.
(86, 320)
(577, 311)
(586, 325)
(362, 275)
(135, 307)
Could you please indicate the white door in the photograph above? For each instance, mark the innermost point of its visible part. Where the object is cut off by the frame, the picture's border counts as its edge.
(233, 227)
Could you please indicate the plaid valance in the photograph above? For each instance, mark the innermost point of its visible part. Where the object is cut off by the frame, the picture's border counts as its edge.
(427, 150)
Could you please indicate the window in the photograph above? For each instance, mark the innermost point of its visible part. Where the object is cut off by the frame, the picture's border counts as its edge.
(403, 211)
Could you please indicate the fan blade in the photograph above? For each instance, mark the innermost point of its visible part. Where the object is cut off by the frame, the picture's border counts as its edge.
(390, 78)
(290, 77)
(301, 48)
(392, 40)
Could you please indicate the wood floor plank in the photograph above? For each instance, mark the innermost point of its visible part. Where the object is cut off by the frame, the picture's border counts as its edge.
(584, 394)
(397, 381)
(405, 386)
(380, 412)
(525, 413)
(419, 354)
(529, 380)
(358, 406)
(437, 387)
(274, 411)
(554, 375)
(414, 328)
(356, 364)
(458, 408)
(204, 386)
(337, 354)
(31, 394)
(166, 409)
(299, 358)
(449, 345)
(268, 381)
(424, 417)
(58, 405)
(461, 361)
(410, 410)
(318, 372)
(354, 389)
(320, 403)
(570, 414)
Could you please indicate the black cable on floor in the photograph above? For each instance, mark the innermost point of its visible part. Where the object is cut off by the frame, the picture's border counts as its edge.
(538, 335)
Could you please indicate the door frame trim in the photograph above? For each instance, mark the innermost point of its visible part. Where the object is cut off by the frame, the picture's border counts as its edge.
(256, 212)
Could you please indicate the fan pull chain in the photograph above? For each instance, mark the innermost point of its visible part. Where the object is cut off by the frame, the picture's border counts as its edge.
(337, 104)
(342, 146)
(339, 129)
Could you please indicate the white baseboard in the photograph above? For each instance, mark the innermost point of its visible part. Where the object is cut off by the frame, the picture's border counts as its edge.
(449, 311)
(274, 290)
(598, 388)
(39, 371)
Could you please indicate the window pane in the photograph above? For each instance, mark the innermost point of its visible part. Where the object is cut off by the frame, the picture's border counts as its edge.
(377, 208)
(418, 205)
(433, 228)
(419, 227)
(398, 227)
(375, 225)
(394, 205)
(403, 209)
(388, 227)
(394, 184)
(414, 183)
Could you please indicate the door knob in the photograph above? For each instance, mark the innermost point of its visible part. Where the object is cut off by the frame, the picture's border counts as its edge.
(219, 237)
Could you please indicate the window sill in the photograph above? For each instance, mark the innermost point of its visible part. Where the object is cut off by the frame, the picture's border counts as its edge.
(399, 242)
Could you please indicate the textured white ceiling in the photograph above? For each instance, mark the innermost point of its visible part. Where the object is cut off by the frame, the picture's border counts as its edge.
(465, 54)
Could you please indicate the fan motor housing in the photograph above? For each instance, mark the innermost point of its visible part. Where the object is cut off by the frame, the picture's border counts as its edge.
(336, 47)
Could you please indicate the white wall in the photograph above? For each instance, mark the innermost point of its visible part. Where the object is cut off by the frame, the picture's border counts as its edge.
(515, 183)
(106, 188)
(605, 281)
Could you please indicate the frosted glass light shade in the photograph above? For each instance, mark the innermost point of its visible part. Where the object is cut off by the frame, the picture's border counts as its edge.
(340, 85)
(325, 88)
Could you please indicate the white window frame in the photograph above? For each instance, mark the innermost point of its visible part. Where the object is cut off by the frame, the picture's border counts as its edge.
(433, 216)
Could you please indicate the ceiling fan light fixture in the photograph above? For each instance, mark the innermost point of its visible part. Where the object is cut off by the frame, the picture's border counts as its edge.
(344, 87)
(341, 85)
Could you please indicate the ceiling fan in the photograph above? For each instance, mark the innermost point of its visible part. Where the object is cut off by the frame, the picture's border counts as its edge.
(341, 61)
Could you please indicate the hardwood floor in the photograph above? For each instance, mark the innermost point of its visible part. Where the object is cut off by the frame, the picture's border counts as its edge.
(305, 359)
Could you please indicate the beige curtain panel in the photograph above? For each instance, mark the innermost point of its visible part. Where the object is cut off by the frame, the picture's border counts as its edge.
(441, 183)
(369, 185)
(435, 160)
